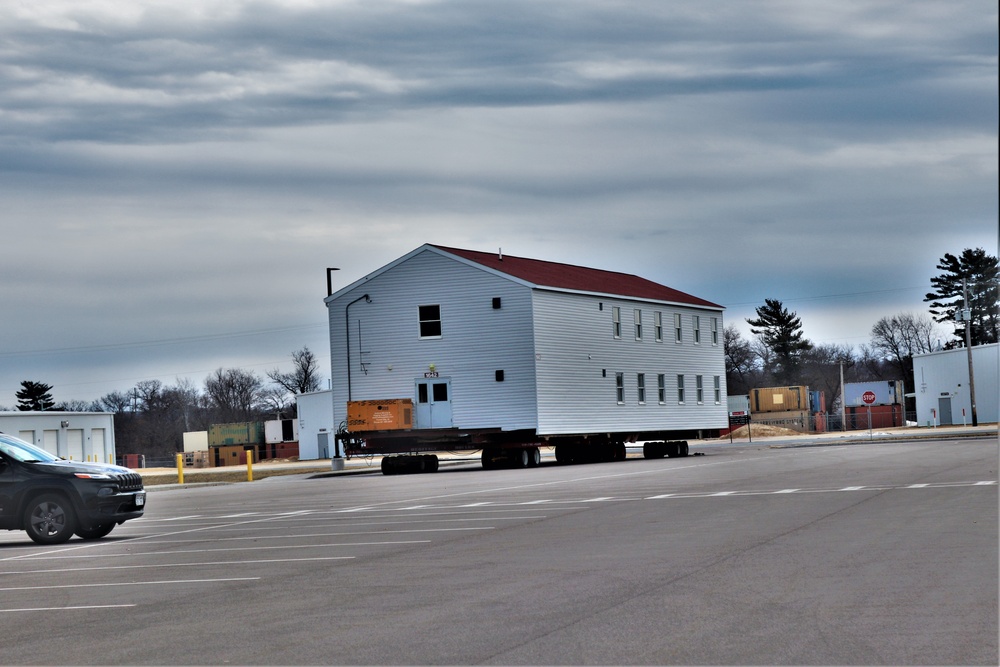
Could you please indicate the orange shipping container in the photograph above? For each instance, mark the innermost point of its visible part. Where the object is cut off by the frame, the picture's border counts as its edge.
(779, 399)
(390, 414)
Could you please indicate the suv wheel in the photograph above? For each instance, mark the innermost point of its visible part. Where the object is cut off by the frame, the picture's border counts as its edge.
(49, 519)
(95, 533)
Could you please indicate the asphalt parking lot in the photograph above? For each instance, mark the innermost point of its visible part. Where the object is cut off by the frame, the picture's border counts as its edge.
(880, 553)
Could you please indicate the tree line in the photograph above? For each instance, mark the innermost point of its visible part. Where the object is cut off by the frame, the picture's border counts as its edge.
(151, 417)
(780, 355)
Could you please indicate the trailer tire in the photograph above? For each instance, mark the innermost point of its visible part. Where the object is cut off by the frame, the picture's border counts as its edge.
(432, 462)
(684, 448)
(654, 450)
(520, 459)
(534, 457)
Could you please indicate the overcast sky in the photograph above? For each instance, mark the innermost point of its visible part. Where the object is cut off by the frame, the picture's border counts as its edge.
(175, 177)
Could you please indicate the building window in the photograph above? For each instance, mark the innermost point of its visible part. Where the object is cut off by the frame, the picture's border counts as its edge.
(697, 329)
(699, 389)
(430, 321)
(658, 326)
(616, 322)
(640, 381)
(638, 324)
(620, 387)
(718, 389)
(661, 388)
(715, 331)
(680, 388)
(677, 327)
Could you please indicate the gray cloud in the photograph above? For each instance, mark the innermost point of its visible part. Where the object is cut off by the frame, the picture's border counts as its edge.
(176, 176)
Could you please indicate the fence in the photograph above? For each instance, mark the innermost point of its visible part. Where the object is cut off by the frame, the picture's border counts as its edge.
(859, 420)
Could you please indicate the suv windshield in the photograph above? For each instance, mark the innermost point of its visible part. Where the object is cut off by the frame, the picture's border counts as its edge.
(22, 451)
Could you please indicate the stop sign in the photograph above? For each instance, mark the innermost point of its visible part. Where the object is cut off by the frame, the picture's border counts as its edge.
(868, 397)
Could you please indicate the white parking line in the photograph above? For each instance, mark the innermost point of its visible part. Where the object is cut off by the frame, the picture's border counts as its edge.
(80, 608)
(171, 582)
(162, 565)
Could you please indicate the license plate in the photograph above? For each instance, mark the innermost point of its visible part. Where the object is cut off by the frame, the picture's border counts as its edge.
(140, 499)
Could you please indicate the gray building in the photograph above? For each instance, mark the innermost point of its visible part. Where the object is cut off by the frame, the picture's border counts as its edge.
(941, 381)
(481, 340)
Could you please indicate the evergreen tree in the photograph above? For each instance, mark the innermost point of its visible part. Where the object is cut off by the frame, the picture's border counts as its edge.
(979, 272)
(34, 396)
(781, 332)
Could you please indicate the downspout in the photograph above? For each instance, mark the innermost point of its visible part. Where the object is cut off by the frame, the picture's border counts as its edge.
(347, 328)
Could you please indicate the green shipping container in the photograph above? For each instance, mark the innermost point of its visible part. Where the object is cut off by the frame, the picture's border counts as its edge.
(239, 433)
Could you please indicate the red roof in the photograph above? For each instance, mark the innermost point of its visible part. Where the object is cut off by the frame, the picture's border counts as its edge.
(578, 278)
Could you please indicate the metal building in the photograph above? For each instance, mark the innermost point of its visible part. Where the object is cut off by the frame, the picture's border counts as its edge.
(79, 436)
(942, 393)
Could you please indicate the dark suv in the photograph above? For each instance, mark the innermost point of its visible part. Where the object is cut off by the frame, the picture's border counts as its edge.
(51, 499)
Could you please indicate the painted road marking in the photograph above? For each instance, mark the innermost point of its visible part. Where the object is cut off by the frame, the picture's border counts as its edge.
(171, 582)
(80, 608)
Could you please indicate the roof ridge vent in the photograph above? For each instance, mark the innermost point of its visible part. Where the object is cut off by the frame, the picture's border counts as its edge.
(500, 254)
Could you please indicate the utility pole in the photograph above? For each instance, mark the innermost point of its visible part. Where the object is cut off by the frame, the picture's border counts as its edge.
(967, 316)
(843, 395)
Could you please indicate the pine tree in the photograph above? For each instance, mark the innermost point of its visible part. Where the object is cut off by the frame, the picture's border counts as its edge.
(34, 396)
(979, 271)
(781, 332)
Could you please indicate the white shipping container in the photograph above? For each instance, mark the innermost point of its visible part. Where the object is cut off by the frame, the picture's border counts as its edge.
(886, 392)
(196, 441)
(281, 430)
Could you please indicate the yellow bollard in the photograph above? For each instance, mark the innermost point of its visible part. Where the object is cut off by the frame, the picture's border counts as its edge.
(249, 465)
(180, 468)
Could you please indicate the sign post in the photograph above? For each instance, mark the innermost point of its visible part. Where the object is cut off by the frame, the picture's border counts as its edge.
(741, 417)
(869, 398)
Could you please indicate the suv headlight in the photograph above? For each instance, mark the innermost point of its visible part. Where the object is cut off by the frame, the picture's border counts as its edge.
(92, 475)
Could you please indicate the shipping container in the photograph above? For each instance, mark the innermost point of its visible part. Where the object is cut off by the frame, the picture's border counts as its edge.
(886, 392)
(779, 399)
(281, 430)
(228, 455)
(876, 416)
(196, 441)
(796, 420)
(385, 415)
(238, 433)
(287, 450)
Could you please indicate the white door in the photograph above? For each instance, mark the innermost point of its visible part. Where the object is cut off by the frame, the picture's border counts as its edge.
(433, 403)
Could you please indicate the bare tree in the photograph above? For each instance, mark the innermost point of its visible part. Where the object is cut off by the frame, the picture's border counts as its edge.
(234, 394)
(741, 362)
(896, 339)
(304, 376)
(117, 402)
(821, 369)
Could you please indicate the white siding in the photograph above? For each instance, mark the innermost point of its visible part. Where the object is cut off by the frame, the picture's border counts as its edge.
(76, 434)
(477, 340)
(577, 358)
(315, 411)
(945, 375)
